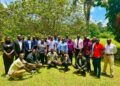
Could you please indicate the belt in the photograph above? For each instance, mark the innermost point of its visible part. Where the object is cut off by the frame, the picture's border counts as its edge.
(109, 54)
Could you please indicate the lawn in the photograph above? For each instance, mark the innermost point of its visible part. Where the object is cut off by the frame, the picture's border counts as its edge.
(54, 77)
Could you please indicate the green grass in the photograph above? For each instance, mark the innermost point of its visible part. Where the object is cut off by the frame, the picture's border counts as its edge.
(53, 77)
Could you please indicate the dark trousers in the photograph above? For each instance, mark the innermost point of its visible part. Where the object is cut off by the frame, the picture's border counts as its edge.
(88, 62)
(42, 58)
(53, 63)
(70, 56)
(66, 65)
(7, 62)
(46, 59)
(97, 66)
(76, 54)
(26, 54)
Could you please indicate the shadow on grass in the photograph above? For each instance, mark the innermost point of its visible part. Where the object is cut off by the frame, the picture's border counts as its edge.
(26, 76)
(3, 75)
(79, 73)
(64, 70)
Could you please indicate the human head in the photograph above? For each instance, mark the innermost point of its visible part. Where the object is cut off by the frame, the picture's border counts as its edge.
(52, 50)
(19, 37)
(21, 55)
(70, 40)
(7, 39)
(63, 40)
(78, 36)
(33, 51)
(80, 55)
(42, 41)
(108, 41)
(29, 37)
(97, 41)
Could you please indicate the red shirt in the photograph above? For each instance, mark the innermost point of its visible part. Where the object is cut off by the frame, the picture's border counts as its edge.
(98, 48)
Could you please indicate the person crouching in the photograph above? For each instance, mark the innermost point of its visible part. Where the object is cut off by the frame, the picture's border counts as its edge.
(66, 62)
(52, 59)
(81, 64)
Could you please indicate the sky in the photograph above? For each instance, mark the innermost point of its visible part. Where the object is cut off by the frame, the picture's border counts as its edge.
(97, 13)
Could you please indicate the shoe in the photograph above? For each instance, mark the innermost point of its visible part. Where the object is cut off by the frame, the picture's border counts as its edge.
(104, 73)
(111, 76)
(98, 76)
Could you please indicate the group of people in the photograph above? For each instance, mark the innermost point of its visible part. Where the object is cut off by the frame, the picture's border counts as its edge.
(31, 54)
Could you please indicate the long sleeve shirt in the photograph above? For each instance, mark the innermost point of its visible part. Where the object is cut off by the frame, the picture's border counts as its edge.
(78, 44)
(63, 47)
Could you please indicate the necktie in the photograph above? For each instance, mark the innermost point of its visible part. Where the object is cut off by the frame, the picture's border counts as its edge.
(77, 43)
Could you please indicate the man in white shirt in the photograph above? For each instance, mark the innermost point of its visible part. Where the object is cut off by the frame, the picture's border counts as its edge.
(110, 50)
(51, 44)
(78, 45)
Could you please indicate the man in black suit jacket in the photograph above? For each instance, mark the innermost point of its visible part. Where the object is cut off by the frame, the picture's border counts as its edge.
(19, 46)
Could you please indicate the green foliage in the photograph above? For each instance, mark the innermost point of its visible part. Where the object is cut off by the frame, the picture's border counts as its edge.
(94, 30)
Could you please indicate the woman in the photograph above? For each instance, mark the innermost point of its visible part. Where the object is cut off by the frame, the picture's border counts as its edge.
(8, 53)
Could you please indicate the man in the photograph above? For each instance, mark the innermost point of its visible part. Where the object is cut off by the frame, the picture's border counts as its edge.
(63, 47)
(87, 51)
(110, 51)
(81, 64)
(66, 38)
(70, 44)
(17, 69)
(65, 61)
(19, 46)
(78, 45)
(52, 58)
(56, 41)
(97, 54)
(33, 59)
(28, 46)
(34, 42)
(51, 44)
(42, 49)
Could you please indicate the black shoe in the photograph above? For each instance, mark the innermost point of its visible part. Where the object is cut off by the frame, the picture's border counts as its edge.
(84, 74)
(98, 77)
(104, 74)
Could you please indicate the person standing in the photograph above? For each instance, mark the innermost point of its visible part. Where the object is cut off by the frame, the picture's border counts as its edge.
(51, 44)
(70, 44)
(110, 51)
(19, 46)
(63, 46)
(87, 51)
(34, 42)
(8, 53)
(28, 46)
(78, 45)
(97, 54)
(42, 49)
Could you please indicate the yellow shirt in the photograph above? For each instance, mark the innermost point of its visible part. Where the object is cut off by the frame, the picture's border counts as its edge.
(16, 65)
